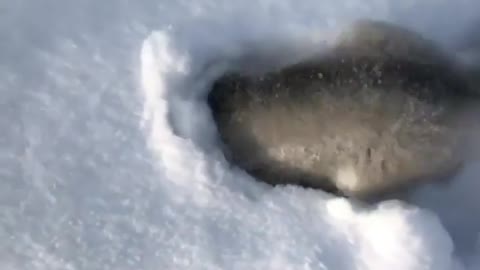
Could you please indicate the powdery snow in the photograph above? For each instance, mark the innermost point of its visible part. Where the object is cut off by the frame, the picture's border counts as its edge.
(109, 157)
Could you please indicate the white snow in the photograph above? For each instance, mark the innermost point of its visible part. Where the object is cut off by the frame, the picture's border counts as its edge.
(109, 158)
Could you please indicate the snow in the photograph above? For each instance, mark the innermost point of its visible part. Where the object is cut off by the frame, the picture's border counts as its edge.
(109, 157)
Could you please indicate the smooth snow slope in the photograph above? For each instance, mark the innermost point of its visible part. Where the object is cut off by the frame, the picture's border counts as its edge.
(108, 158)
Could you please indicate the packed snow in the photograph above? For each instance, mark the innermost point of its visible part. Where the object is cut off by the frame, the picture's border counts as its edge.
(109, 158)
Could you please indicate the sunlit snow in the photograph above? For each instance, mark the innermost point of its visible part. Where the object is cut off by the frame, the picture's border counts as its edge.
(109, 156)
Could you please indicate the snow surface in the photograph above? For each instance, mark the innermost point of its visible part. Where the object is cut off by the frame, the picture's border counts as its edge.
(109, 159)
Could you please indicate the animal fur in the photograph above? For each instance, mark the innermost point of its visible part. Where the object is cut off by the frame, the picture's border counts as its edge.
(377, 113)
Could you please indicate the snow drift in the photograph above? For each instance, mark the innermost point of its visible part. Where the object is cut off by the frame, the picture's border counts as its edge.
(109, 158)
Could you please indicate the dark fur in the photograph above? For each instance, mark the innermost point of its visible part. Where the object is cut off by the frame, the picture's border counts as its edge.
(383, 104)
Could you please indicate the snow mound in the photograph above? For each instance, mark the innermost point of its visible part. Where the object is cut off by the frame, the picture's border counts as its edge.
(109, 157)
